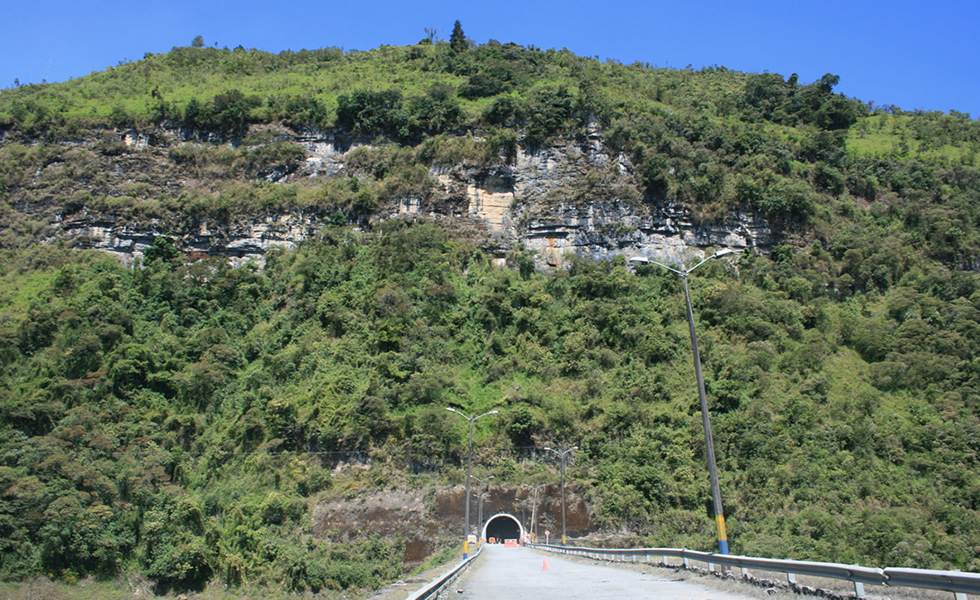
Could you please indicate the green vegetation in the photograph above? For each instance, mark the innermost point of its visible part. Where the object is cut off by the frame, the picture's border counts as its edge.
(181, 420)
(715, 140)
(185, 414)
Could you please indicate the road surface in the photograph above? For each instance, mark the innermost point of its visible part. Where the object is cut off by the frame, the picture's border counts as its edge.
(500, 573)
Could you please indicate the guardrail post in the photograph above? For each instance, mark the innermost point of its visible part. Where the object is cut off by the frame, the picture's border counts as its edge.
(687, 563)
(711, 567)
(859, 589)
(959, 596)
(791, 577)
(745, 573)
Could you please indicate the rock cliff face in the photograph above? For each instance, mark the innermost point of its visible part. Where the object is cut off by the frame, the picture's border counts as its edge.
(241, 240)
(431, 518)
(578, 198)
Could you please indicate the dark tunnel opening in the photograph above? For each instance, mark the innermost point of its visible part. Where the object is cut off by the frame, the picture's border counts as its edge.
(503, 527)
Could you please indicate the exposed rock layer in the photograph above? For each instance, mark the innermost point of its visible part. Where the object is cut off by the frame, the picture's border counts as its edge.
(429, 518)
(578, 198)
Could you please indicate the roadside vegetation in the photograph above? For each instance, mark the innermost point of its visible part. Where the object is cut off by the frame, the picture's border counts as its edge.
(180, 419)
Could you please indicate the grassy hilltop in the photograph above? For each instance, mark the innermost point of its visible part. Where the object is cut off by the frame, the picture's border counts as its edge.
(180, 421)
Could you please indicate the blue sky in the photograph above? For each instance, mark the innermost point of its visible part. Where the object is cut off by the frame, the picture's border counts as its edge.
(909, 54)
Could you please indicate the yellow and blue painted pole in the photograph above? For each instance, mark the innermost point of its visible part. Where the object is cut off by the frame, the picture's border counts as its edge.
(705, 416)
(722, 534)
(702, 396)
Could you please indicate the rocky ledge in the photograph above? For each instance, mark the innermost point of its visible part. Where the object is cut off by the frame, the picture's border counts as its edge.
(576, 198)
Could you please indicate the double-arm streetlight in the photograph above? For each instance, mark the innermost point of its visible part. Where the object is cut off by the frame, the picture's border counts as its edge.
(708, 440)
(562, 454)
(469, 469)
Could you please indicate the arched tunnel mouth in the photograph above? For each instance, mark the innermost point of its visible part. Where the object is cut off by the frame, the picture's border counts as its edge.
(503, 527)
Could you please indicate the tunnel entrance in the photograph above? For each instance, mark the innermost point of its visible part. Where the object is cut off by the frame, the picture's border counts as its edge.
(503, 527)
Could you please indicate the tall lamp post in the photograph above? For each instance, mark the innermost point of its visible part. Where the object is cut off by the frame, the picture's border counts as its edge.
(534, 513)
(479, 511)
(708, 440)
(469, 469)
(562, 454)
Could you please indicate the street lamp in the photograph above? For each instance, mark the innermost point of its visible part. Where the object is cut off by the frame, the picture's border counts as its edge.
(479, 513)
(534, 513)
(708, 440)
(469, 469)
(562, 454)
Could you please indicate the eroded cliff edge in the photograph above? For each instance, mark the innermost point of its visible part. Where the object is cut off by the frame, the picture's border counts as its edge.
(576, 197)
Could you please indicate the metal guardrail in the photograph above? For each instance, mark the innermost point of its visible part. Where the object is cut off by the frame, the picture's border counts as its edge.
(433, 587)
(950, 581)
(958, 582)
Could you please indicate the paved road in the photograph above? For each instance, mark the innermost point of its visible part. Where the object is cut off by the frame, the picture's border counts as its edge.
(501, 573)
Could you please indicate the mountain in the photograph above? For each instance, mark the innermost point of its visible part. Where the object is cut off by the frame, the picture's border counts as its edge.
(240, 289)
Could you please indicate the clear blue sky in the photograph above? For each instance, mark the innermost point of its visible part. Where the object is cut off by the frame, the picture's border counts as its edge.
(910, 54)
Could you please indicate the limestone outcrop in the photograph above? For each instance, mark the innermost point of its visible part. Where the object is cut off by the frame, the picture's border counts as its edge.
(575, 198)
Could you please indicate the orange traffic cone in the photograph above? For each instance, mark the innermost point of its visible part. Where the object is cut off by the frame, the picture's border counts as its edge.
(544, 564)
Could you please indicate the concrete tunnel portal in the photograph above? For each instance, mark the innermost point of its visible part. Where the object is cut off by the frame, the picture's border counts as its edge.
(503, 526)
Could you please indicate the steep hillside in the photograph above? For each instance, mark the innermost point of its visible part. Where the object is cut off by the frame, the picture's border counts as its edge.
(414, 228)
(519, 138)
